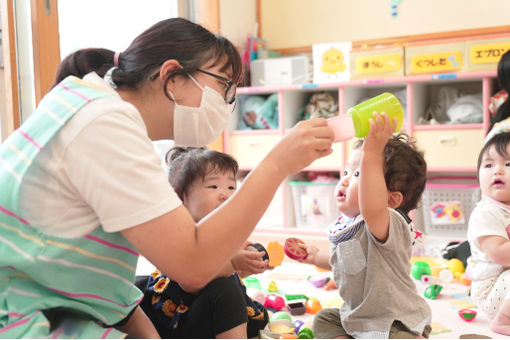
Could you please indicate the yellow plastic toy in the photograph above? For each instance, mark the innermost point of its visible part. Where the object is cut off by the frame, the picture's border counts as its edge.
(276, 253)
(456, 267)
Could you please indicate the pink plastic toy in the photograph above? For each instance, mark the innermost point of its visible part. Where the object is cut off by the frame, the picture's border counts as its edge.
(274, 301)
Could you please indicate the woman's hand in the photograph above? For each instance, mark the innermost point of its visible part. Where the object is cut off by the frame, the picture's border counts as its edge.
(247, 262)
(307, 141)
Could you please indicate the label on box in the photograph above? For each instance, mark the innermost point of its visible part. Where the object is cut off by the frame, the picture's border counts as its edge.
(488, 53)
(379, 63)
(437, 62)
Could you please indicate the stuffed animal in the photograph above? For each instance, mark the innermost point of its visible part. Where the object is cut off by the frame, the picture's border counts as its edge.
(259, 112)
(320, 105)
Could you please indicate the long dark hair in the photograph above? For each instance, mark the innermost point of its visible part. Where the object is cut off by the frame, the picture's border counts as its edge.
(187, 164)
(503, 110)
(190, 44)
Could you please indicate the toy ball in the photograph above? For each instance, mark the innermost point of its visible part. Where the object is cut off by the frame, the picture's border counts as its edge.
(281, 316)
(297, 325)
(467, 314)
(313, 306)
(432, 291)
(274, 301)
(456, 266)
(420, 268)
(256, 295)
(446, 276)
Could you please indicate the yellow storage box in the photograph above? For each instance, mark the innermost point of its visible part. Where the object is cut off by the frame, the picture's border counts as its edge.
(440, 57)
(484, 53)
(377, 62)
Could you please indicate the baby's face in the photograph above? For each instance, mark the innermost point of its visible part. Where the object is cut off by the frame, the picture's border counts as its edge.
(494, 175)
(206, 195)
(347, 187)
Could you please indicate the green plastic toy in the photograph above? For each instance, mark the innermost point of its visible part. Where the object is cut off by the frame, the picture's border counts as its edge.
(420, 268)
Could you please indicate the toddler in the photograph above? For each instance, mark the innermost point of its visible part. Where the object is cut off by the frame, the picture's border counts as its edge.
(371, 241)
(488, 234)
(204, 179)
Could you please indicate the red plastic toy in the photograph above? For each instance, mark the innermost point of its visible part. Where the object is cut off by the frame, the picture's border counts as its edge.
(294, 250)
(467, 314)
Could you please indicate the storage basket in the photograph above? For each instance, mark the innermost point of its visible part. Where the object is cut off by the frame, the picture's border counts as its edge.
(314, 204)
(447, 207)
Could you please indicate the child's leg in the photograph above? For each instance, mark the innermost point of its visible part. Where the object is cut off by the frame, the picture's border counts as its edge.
(218, 311)
(497, 304)
(327, 325)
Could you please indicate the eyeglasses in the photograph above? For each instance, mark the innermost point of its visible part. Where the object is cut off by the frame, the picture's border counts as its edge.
(230, 92)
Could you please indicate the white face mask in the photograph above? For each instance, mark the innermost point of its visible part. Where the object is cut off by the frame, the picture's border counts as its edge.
(199, 126)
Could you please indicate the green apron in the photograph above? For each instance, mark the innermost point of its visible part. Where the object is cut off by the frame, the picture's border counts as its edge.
(91, 275)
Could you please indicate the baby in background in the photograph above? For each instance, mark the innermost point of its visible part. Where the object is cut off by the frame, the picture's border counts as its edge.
(204, 179)
(371, 241)
(489, 232)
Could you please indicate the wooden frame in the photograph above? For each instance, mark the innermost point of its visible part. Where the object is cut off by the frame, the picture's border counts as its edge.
(11, 120)
(46, 45)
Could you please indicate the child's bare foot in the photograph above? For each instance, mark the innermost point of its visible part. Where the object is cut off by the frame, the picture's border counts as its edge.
(500, 324)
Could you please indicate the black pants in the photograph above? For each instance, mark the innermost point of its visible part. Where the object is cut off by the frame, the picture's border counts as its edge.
(220, 306)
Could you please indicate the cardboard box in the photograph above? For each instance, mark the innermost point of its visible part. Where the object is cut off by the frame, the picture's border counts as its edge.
(438, 57)
(377, 62)
(484, 53)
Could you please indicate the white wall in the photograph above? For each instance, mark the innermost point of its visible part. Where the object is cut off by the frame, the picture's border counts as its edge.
(238, 19)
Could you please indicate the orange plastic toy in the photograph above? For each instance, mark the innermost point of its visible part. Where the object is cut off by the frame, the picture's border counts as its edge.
(313, 306)
(276, 253)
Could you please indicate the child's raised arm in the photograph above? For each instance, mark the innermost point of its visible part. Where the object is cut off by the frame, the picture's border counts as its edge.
(373, 194)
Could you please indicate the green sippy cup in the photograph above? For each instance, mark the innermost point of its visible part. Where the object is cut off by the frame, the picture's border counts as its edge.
(362, 112)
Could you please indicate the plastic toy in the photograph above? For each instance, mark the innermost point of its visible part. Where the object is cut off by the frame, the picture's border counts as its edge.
(313, 306)
(256, 295)
(446, 275)
(295, 297)
(318, 281)
(432, 291)
(464, 280)
(467, 314)
(305, 333)
(272, 287)
(297, 325)
(456, 266)
(282, 326)
(296, 307)
(293, 249)
(275, 252)
(258, 247)
(280, 316)
(288, 336)
(428, 279)
(252, 281)
(274, 301)
(420, 268)
(330, 285)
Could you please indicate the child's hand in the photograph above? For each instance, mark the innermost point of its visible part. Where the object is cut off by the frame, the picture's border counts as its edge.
(312, 254)
(381, 129)
(247, 262)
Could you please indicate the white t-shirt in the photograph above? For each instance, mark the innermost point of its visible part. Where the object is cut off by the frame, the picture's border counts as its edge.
(101, 169)
(488, 218)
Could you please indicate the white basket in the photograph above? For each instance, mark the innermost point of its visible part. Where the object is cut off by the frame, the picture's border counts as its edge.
(314, 204)
(446, 208)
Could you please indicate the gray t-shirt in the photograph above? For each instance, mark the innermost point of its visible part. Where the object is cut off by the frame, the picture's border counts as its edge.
(375, 283)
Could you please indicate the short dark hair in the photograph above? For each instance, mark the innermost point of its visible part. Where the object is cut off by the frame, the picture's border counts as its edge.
(187, 164)
(190, 44)
(499, 141)
(405, 169)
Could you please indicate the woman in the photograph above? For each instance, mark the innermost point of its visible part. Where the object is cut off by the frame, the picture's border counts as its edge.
(83, 192)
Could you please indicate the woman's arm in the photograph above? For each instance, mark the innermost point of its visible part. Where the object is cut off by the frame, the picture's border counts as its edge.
(193, 254)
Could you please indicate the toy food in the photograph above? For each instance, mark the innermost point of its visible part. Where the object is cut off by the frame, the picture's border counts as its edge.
(467, 314)
(294, 250)
(420, 268)
(274, 301)
(318, 281)
(432, 291)
(296, 307)
(258, 247)
(275, 252)
(313, 306)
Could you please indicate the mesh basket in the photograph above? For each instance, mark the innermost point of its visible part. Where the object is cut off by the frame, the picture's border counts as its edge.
(314, 204)
(447, 207)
